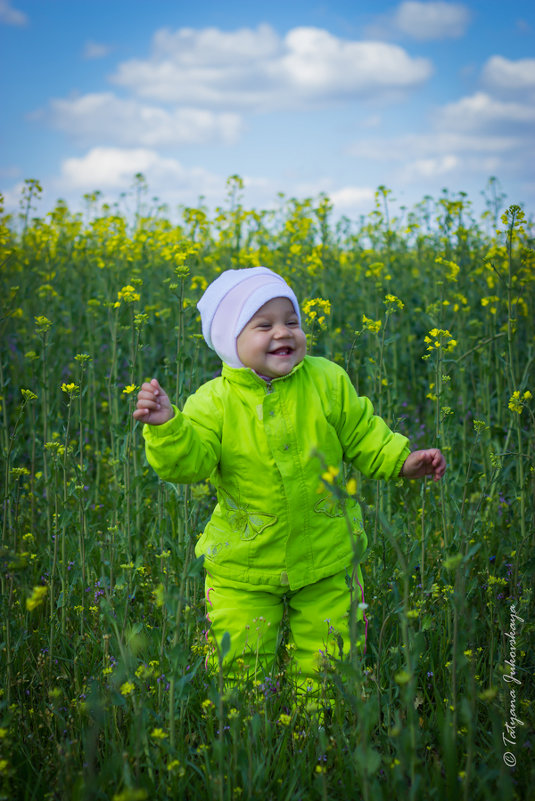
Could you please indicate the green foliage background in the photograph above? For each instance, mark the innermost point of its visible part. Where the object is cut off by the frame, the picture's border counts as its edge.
(105, 693)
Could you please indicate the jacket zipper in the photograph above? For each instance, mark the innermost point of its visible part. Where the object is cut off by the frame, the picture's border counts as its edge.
(269, 388)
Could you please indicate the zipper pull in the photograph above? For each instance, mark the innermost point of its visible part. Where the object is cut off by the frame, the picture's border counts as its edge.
(269, 388)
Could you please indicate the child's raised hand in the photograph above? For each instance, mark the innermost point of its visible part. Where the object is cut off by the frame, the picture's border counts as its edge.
(153, 404)
(419, 464)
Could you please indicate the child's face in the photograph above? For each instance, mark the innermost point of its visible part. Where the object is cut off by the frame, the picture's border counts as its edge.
(272, 342)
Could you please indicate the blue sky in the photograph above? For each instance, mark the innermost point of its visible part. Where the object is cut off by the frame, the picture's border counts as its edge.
(295, 97)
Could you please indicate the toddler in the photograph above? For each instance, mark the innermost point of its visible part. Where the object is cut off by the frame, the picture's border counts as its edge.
(255, 431)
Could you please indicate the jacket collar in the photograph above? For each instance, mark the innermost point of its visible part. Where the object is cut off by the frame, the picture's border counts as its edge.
(247, 376)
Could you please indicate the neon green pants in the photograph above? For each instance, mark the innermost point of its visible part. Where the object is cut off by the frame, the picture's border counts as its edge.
(318, 621)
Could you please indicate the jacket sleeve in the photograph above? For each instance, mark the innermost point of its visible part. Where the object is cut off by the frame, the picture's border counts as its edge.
(187, 448)
(367, 441)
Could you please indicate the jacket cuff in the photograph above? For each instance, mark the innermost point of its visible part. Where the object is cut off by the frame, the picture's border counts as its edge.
(401, 461)
(169, 428)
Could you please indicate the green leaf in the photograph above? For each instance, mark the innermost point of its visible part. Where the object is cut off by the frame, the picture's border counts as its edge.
(367, 759)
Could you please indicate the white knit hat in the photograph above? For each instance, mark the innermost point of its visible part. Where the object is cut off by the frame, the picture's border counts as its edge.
(231, 300)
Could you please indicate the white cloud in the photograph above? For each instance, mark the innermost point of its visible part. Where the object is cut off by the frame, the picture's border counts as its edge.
(105, 118)
(423, 21)
(10, 15)
(105, 168)
(501, 73)
(481, 112)
(432, 145)
(257, 69)
(224, 47)
(435, 20)
(12, 197)
(452, 169)
(476, 136)
(351, 197)
(96, 50)
(111, 169)
(430, 167)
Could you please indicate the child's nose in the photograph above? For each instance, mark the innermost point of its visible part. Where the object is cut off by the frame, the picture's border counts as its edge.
(281, 330)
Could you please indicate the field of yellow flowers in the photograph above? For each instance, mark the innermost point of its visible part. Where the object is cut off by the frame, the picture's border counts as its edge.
(104, 694)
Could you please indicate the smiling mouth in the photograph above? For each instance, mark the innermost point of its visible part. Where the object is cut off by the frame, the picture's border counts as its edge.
(281, 352)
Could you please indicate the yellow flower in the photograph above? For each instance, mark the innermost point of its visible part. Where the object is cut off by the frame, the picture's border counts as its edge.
(285, 720)
(36, 598)
(159, 595)
(128, 294)
(19, 471)
(480, 425)
(198, 281)
(158, 734)
(28, 395)
(452, 269)
(129, 389)
(439, 338)
(521, 306)
(371, 325)
(140, 320)
(70, 389)
(491, 301)
(391, 300)
(317, 309)
(206, 705)
(42, 324)
(175, 765)
(351, 486)
(330, 474)
(127, 688)
(517, 403)
(374, 270)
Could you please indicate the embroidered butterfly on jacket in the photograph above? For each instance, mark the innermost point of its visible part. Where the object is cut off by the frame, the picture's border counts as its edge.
(247, 524)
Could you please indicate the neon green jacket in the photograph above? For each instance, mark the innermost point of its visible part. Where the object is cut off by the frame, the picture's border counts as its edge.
(256, 442)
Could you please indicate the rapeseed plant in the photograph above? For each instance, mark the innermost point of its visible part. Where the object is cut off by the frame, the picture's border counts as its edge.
(36, 598)
(105, 551)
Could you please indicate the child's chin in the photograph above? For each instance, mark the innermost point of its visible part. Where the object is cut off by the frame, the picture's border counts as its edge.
(283, 369)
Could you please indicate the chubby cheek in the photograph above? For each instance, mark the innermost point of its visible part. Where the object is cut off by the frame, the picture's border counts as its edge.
(301, 343)
(250, 348)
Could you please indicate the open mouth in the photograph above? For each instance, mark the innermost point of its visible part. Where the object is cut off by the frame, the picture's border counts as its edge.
(281, 352)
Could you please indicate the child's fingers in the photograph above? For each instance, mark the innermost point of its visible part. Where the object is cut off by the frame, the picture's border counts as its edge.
(147, 394)
(148, 403)
(156, 386)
